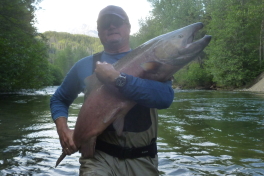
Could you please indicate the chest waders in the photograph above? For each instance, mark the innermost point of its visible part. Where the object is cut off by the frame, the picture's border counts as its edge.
(137, 121)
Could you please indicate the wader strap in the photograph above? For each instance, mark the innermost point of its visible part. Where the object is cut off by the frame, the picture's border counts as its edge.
(125, 152)
(96, 57)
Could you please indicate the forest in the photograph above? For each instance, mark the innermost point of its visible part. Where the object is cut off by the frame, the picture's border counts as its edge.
(66, 49)
(32, 60)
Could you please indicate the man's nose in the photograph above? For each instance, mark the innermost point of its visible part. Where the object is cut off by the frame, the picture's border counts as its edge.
(111, 26)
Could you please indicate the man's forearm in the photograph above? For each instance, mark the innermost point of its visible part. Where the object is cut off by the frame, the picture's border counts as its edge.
(61, 123)
(149, 93)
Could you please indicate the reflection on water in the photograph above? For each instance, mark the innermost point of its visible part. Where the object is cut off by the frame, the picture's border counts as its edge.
(202, 133)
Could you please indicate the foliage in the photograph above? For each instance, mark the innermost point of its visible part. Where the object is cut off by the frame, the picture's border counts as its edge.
(56, 74)
(148, 30)
(61, 40)
(233, 57)
(233, 53)
(174, 14)
(23, 53)
(168, 15)
(66, 49)
(192, 76)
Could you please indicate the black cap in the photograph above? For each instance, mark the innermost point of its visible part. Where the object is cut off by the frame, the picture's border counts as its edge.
(113, 10)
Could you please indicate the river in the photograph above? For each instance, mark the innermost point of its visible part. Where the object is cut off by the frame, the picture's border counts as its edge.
(202, 133)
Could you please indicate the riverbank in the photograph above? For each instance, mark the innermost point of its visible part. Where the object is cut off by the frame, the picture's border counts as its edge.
(258, 84)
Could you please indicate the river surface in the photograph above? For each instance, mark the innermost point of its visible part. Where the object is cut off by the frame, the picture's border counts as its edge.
(202, 133)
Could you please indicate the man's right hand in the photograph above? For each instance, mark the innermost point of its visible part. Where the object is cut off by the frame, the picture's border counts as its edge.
(106, 73)
(66, 136)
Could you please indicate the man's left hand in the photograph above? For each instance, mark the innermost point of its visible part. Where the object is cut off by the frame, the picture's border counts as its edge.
(106, 73)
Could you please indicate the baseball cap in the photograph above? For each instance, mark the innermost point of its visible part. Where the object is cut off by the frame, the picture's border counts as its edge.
(113, 10)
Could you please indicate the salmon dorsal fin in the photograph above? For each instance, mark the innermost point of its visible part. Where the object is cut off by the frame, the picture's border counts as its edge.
(118, 125)
(152, 66)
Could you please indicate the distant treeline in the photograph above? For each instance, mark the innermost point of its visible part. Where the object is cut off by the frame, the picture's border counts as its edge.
(66, 49)
(233, 58)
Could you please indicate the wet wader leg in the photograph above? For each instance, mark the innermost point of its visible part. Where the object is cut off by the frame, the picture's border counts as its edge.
(97, 166)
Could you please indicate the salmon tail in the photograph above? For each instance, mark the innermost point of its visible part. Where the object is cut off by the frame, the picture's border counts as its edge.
(60, 159)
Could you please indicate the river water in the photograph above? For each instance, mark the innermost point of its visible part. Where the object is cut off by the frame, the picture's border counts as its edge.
(202, 133)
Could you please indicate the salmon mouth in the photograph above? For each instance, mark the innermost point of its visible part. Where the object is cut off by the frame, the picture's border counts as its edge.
(198, 26)
(190, 39)
(196, 47)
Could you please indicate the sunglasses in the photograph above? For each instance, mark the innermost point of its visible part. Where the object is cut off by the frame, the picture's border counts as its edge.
(107, 21)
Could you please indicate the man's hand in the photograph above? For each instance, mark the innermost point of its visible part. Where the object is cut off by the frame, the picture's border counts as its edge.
(66, 136)
(106, 73)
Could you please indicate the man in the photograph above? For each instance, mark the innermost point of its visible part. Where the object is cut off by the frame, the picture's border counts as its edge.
(135, 151)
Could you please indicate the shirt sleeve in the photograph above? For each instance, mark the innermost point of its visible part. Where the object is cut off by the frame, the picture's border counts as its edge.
(65, 95)
(149, 93)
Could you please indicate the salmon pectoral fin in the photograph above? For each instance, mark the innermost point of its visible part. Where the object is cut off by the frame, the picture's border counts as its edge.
(118, 125)
(87, 149)
(151, 67)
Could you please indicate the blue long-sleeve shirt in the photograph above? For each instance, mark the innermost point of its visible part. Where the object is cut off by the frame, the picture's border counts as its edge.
(149, 93)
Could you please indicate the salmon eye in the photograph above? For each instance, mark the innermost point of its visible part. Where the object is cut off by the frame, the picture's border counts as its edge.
(180, 35)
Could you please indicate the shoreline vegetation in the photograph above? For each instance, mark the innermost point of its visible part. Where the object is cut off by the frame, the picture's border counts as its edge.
(233, 59)
(257, 85)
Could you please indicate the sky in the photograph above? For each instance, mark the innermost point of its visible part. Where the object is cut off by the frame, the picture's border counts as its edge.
(61, 15)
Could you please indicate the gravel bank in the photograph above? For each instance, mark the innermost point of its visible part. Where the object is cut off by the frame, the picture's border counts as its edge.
(259, 84)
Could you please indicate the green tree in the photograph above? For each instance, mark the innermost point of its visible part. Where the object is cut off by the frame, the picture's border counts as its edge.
(234, 56)
(56, 74)
(23, 52)
(169, 15)
(148, 30)
(233, 53)
(66, 49)
(193, 76)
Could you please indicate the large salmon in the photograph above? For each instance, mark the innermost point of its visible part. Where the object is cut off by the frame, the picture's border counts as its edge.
(158, 59)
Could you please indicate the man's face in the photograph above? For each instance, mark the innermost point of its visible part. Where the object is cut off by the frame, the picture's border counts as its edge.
(113, 31)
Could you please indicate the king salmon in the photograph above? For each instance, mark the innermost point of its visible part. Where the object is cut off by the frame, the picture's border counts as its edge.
(157, 59)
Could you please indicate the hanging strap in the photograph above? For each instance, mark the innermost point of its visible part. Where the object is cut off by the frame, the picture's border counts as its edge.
(96, 57)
